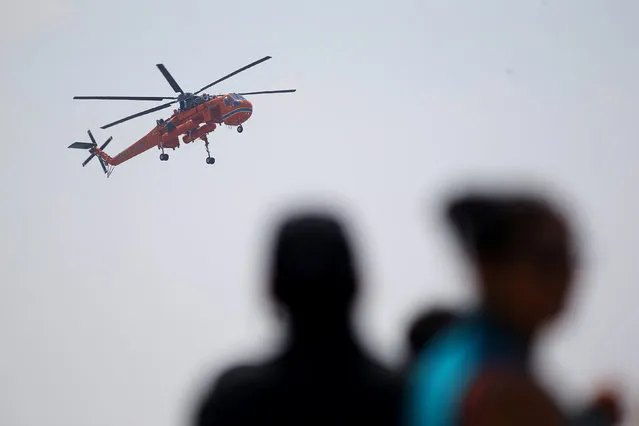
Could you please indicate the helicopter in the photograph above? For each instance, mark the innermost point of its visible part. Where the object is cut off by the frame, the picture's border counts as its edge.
(197, 115)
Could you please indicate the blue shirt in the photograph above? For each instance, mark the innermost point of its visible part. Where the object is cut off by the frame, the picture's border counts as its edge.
(445, 370)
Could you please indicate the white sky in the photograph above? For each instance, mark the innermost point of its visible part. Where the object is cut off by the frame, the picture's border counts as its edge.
(118, 294)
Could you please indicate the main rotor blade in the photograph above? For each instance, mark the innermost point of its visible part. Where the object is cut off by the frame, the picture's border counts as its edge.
(259, 61)
(266, 92)
(139, 114)
(126, 98)
(92, 138)
(170, 78)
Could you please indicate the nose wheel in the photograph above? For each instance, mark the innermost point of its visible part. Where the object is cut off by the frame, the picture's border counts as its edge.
(210, 160)
(240, 129)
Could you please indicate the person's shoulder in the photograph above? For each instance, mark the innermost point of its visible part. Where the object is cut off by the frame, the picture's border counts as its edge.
(235, 386)
(242, 378)
(377, 367)
(505, 396)
(383, 376)
(442, 373)
(461, 343)
(239, 376)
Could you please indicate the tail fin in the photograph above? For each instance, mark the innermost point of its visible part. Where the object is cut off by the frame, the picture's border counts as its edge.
(92, 149)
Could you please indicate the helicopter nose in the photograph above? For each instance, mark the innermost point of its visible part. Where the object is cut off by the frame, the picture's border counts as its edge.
(248, 108)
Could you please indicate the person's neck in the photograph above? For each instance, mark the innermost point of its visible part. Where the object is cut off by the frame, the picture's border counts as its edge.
(321, 337)
(522, 338)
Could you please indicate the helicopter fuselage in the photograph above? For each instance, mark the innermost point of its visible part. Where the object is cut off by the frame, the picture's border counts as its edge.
(198, 115)
(194, 123)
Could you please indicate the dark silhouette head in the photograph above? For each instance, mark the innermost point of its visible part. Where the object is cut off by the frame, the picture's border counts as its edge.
(321, 375)
(522, 250)
(424, 328)
(313, 272)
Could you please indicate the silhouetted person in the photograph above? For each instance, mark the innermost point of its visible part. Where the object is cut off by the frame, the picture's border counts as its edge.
(322, 376)
(478, 371)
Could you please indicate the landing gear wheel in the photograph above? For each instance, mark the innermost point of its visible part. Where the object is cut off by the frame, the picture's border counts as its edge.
(209, 159)
(240, 129)
(164, 157)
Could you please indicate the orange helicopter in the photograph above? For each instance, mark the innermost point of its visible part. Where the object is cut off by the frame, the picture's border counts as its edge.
(197, 116)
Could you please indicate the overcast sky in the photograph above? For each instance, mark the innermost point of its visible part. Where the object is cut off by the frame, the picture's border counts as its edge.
(120, 296)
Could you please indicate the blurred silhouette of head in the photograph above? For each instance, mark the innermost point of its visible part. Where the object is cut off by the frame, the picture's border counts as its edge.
(313, 272)
(424, 328)
(522, 250)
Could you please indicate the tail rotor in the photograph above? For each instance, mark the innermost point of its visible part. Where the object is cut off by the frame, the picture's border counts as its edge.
(91, 147)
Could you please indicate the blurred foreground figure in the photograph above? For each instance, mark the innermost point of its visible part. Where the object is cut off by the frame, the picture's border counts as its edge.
(477, 372)
(322, 376)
